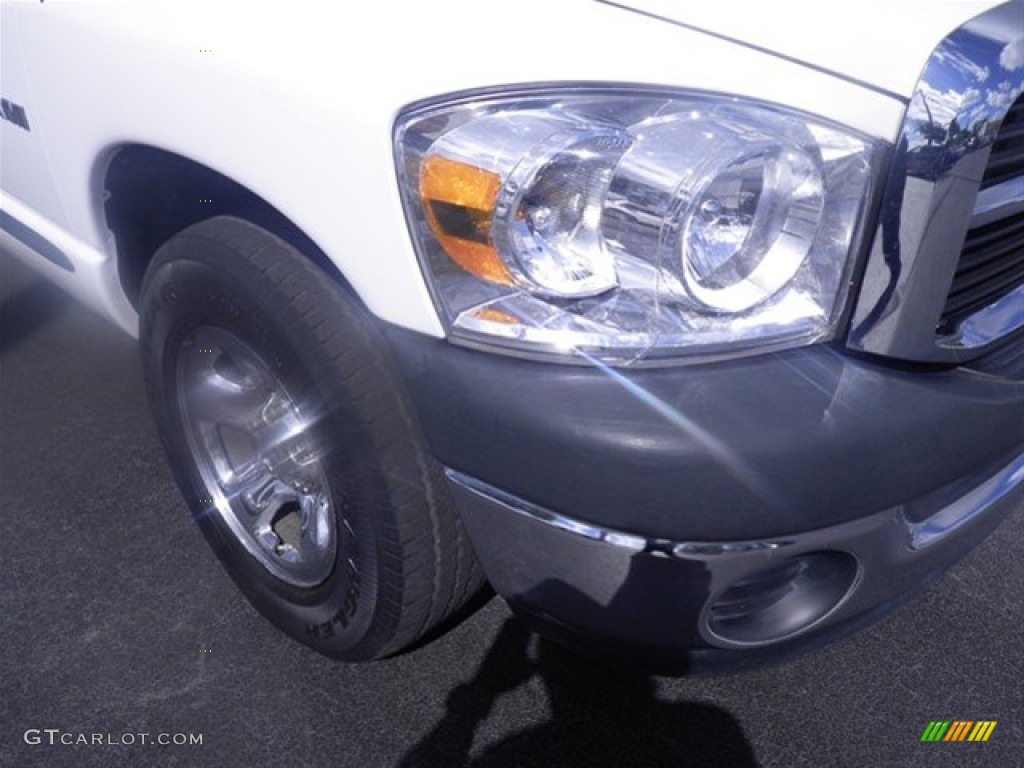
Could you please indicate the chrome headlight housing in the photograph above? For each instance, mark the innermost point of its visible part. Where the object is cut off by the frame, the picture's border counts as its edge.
(632, 225)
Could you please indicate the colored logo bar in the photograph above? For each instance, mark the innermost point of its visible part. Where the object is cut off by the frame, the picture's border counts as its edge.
(958, 730)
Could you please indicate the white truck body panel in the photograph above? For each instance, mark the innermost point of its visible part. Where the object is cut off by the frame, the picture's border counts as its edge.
(882, 43)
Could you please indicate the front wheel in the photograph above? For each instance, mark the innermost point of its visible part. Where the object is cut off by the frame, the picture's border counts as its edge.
(289, 433)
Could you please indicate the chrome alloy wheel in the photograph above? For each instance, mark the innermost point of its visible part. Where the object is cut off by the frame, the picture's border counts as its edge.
(257, 457)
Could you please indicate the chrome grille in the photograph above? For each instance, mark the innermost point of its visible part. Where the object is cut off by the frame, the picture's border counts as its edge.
(991, 263)
(1007, 158)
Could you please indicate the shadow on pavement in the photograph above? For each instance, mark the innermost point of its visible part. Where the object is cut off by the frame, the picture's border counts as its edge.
(600, 716)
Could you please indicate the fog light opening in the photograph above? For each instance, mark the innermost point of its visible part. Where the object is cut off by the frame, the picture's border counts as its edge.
(783, 599)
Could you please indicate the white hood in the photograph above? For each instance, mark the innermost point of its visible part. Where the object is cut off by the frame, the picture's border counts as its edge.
(881, 43)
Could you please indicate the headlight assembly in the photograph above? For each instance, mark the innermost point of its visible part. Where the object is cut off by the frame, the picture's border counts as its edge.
(632, 225)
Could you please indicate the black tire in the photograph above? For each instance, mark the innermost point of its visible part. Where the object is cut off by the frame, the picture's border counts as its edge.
(400, 562)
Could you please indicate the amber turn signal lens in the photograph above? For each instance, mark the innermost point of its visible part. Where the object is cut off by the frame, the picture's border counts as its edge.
(458, 200)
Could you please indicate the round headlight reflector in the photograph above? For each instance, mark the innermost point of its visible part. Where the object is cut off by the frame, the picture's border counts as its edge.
(751, 229)
(548, 219)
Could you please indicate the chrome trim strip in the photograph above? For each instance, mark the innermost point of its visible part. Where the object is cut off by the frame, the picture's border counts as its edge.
(940, 524)
(996, 321)
(619, 539)
(998, 202)
(967, 507)
(931, 196)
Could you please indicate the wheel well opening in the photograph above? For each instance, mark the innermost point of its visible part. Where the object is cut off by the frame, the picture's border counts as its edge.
(152, 194)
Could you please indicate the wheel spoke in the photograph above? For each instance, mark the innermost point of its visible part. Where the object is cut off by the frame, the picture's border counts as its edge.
(217, 400)
(251, 479)
(316, 525)
(292, 459)
(223, 383)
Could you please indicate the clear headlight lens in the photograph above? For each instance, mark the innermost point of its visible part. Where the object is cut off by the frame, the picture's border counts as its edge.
(632, 225)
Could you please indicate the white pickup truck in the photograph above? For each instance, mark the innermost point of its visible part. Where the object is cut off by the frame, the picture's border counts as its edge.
(696, 329)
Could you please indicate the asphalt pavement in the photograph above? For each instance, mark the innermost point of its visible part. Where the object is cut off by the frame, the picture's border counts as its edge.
(117, 621)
